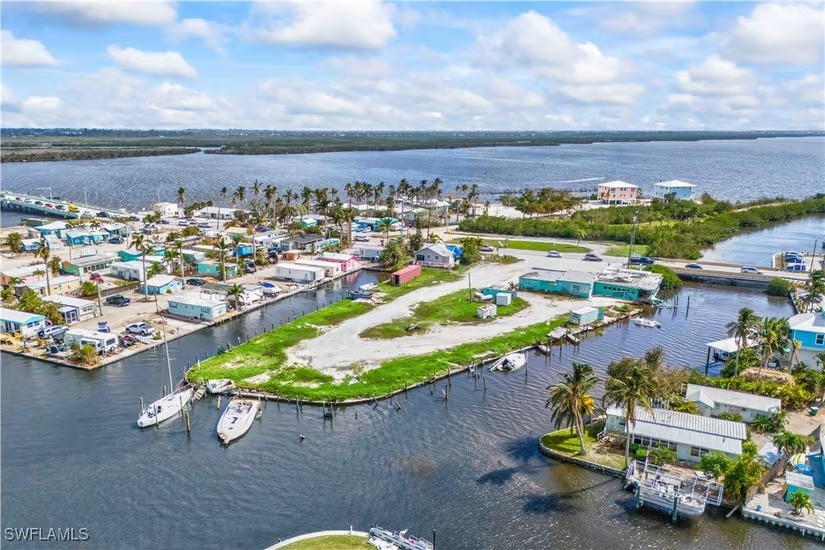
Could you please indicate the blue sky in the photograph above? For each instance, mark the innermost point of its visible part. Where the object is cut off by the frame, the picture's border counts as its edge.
(365, 64)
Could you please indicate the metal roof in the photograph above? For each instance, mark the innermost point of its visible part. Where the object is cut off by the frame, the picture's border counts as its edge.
(20, 317)
(617, 184)
(161, 280)
(729, 397)
(799, 480)
(687, 429)
(78, 303)
(674, 183)
(195, 300)
(728, 345)
(808, 322)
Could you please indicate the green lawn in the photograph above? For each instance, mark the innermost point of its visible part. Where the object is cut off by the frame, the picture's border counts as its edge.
(532, 245)
(623, 250)
(331, 542)
(452, 308)
(566, 442)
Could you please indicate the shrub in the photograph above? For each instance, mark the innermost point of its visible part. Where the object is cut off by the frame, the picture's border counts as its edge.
(779, 287)
(641, 453)
(669, 278)
(733, 417)
(88, 288)
(715, 463)
(85, 354)
(662, 455)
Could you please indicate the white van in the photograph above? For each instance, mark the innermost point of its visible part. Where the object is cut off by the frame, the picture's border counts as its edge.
(103, 342)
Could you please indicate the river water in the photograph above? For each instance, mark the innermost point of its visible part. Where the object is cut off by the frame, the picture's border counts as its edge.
(73, 457)
(736, 170)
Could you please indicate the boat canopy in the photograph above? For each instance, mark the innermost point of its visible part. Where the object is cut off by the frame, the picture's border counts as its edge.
(728, 345)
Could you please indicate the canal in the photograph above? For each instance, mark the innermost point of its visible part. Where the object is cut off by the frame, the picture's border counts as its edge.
(73, 457)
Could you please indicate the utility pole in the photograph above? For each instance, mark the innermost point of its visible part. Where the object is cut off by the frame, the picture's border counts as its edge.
(632, 237)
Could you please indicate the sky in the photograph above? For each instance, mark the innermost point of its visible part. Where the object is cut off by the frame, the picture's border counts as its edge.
(372, 65)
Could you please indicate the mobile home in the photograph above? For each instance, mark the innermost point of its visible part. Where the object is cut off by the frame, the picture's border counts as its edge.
(102, 341)
(299, 273)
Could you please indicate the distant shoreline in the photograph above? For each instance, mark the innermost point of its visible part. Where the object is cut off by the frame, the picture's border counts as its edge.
(56, 146)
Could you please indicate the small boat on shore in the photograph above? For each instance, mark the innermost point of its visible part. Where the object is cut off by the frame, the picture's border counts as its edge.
(649, 323)
(236, 419)
(510, 362)
(221, 385)
(398, 540)
(364, 291)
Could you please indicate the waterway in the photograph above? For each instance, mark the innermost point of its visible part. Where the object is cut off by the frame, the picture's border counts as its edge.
(469, 467)
(736, 170)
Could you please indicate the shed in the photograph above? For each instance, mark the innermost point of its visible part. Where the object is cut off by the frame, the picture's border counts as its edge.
(494, 289)
(504, 299)
(292, 255)
(795, 481)
(405, 274)
(486, 311)
(584, 315)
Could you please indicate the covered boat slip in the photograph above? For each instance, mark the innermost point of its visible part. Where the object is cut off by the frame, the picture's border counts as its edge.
(720, 351)
(672, 492)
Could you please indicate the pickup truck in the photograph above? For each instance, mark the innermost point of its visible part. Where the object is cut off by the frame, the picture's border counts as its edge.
(118, 300)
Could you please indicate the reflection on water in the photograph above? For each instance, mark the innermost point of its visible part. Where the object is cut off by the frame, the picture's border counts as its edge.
(469, 467)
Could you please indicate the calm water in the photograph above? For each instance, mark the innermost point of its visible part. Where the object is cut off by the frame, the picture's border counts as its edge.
(735, 170)
(72, 456)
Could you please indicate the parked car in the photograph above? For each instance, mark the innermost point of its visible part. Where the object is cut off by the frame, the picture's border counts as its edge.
(553, 254)
(165, 222)
(750, 269)
(116, 240)
(195, 281)
(590, 257)
(693, 266)
(87, 215)
(487, 248)
(118, 300)
(361, 238)
(643, 260)
(249, 267)
(38, 203)
(796, 267)
(47, 205)
(261, 229)
(96, 277)
(102, 214)
(141, 329)
(183, 223)
(126, 340)
(204, 225)
(54, 331)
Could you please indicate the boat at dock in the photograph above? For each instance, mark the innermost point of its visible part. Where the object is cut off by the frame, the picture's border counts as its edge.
(221, 385)
(380, 536)
(666, 490)
(237, 419)
(649, 323)
(510, 362)
(364, 291)
(168, 405)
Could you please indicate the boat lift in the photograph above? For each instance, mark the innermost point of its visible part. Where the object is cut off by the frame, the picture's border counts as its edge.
(644, 475)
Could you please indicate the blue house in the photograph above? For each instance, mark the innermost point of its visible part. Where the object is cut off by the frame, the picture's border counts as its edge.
(568, 283)
(213, 269)
(196, 307)
(163, 284)
(53, 228)
(809, 330)
(243, 249)
(78, 237)
(29, 245)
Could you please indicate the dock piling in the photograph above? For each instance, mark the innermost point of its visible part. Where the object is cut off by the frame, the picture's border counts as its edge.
(141, 404)
(219, 403)
(188, 424)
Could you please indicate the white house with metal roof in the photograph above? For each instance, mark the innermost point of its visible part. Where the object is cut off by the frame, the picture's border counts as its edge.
(689, 435)
(435, 255)
(681, 190)
(73, 309)
(715, 401)
(22, 322)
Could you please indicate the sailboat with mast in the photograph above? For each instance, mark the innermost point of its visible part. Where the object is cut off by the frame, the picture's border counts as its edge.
(170, 404)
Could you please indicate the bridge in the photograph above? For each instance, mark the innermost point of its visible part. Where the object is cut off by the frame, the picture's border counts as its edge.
(55, 208)
(731, 274)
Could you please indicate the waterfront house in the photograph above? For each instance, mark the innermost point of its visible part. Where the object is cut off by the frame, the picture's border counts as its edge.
(435, 255)
(586, 315)
(348, 261)
(60, 284)
(569, 283)
(102, 342)
(87, 264)
(197, 306)
(293, 271)
(405, 274)
(809, 330)
(679, 190)
(331, 269)
(370, 253)
(73, 309)
(211, 268)
(252, 294)
(715, 401)
(162, 284)
(627, 284)
(53, 228)
(20, 322)
(797, 481)
(78, 237)
(618, 192)
(689, 435)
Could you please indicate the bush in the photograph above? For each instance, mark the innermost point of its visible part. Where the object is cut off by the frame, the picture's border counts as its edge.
(662, 455)
(669, 278)
(733, 417)
(641, 453)
(779, 287)
(88, 288)
(714, 464)
(85, 354)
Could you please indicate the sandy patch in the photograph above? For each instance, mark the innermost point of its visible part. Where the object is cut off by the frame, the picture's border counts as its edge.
(259, 378)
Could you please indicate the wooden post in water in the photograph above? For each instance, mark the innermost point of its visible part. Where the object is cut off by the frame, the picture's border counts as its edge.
(164, 390)
(219, 403)
(188, 424)
(141, 404)
(674, 513)
(484, 379)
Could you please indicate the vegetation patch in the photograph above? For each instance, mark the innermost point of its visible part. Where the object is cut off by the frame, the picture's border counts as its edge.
(331, 542)
(566, 442)
(537, 246)
(452, 308)
(623, 250)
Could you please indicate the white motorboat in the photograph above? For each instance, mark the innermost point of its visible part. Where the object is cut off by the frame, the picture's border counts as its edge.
(649, 323)
(170, 404)
(221, 385)
(510, 362)
(236, 420)
(399, 540)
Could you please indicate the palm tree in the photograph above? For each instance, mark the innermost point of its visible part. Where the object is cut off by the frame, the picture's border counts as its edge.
(181, 196)
(223, 193)
(43, 252)
(745, 471)
(630, 390)
(581, 234)
(384, 225)
(773, 337)
(306, 199)
(256, 188)
(800, 500)
(54, 264)
(223, 248)
(142, 245)
(570, 399)
(239, 195)
(235, 291)
(791, 443)
(742, 330)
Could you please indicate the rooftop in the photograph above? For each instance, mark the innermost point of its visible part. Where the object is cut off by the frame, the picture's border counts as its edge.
(554, 275)
(617, 184)
(688, 429)
(307, 239)
(161, 280)
(674, 183)
(53, 281)
(337, 256)
(197, 299)
(584, 310)
(91, 260)
(644, 280)
(437, 248)
(808, 322)
(68, 301)
(19, 316)
(728, 345)
(745, 400)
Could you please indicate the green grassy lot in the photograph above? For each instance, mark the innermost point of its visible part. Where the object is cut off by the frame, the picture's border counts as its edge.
(532, 245)
(567, 442)
(452, 308)
(623, 250)
(331, 542)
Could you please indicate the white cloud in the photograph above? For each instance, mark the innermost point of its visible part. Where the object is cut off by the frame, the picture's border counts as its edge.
(619, 94)
(8, 101)
(357, 24)
(808, 90)
(644, 18)
(169, 63)
(779, 33)
(176, 97)
(155, 13)
(716, 76)
(22, 52)
(212, 33)
(300, 97)
(38, 104)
